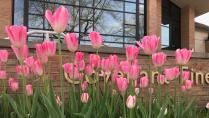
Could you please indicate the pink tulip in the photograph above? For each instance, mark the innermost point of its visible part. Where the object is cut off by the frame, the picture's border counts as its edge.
(59, 19)
(149, 44)
(17, 35)
(131, 101)
(38, 68)
(79, 56)
(144, 81)
(122, 84)
(183, 88)
(18, 70)
(161, 79)
(114, 75)
(50, 47)
(132, 52)
(14, 85)
(96, 39)
(125, 66)
(188, 84)
(81, 65)
(183, 56)
(94, 60)
(29, 61)
(89, 70)
(158, 59)
(3, 56)
(84, 97)
(105, 65)
(113, 62)
(134, 72)
(3, 75)
(71, 41)
(29, 89)
(21, 53)
(41, 52)
(84, 86)
(171, 73)
(76, 74)
(22, 71)
(186, 75)
(207, 105)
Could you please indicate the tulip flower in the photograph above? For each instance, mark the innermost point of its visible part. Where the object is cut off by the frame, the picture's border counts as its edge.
(41, 52)
(188, 84)
(67, 67)
(207, 105)
(161, 79)
(144, 81)
(183, 88)
(59, 19)
(3, 75)
(17, 35)
(14, 85)
(136, 91)
(84, 97)
(22, 71)
(158, 59)
(71, 41)
(38, 68)
(134, 72)
(113, 62)
(125, 66)
(81, 65)
(3, 56)
(96, 39)
(50, 47)
(89, 70)
(186, 75)
(21, 53)
(29, 61)
(94, 60)
(79, 56)
(84, 85)
(183, 56)
(29, 89)
(105, 65)
(131, 101)
(132, 52)
(171, 73)
(122, 84)
(149, 44)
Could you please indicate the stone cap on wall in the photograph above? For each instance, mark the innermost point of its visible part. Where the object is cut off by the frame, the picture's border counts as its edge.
(4, 43)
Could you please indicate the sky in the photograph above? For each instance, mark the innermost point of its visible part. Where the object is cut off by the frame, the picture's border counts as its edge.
(203, 19)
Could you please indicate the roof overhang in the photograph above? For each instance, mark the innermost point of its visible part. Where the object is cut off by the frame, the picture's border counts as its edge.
(200, 6)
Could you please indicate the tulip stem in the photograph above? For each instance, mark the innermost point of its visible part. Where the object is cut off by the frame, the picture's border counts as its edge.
(61, 75)
(124, 106)
(131, 113)
(150, 91)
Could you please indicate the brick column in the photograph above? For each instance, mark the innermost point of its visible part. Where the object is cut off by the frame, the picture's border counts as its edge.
(154, 17)
(187, 28)
(5, 16)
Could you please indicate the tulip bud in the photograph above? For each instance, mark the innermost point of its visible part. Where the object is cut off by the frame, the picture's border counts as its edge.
(29, 89)
(3, 56)
(84, 97)
(96, 39)
(131, 101)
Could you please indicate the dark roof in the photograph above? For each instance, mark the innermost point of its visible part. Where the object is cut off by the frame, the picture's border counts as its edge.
(201, 26)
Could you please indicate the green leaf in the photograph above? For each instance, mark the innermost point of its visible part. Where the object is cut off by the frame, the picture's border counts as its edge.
(15, 107)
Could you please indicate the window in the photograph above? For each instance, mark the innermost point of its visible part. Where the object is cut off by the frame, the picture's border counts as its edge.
(121, 22)
(170, 26)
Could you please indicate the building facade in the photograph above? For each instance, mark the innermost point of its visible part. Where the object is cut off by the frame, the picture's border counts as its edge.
(121, 22)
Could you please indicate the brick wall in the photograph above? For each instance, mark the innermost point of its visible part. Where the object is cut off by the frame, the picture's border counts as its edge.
(199, 63)
(5, 16)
